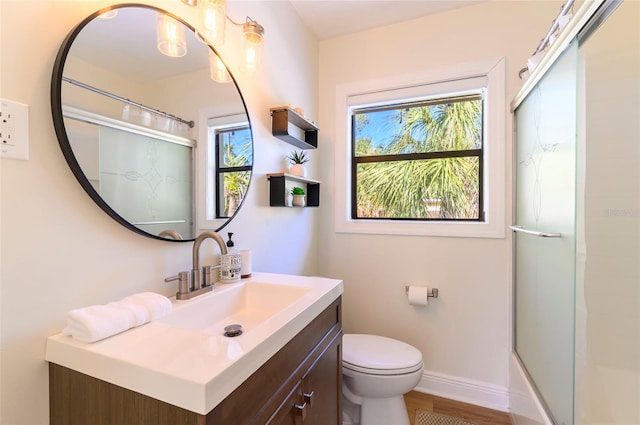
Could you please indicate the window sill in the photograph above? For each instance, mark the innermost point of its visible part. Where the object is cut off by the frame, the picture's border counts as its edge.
(437, 229)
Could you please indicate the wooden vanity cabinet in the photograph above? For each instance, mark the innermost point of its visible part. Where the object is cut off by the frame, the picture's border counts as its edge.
(299, 385)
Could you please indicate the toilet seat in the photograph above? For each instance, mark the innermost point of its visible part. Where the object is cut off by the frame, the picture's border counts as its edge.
(378, 355)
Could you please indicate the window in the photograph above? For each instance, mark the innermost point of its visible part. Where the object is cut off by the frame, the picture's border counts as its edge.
(402, 168)
(419, 160)
(225, 163)
(234, 161)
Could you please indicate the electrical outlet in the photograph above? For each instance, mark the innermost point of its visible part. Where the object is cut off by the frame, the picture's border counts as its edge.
(6, 134)
(14, 130)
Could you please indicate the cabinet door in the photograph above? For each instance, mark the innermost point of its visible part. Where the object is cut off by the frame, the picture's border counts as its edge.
(321, 387)
(315, 400)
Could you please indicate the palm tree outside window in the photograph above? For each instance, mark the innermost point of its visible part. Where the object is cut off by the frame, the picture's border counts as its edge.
(419, 160)
(234, 160)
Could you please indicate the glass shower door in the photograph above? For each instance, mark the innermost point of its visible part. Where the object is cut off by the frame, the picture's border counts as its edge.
(545, 236)
(147, 181)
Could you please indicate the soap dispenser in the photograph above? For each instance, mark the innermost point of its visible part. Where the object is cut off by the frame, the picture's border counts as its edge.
(230, 263)
(245, 258)
(230, 244)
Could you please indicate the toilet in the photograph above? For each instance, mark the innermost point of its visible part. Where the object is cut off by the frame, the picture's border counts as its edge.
(376, 372)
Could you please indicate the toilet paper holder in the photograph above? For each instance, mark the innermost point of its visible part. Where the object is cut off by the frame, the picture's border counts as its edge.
(432, 293)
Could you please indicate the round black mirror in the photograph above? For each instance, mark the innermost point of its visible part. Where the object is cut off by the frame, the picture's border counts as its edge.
(137, 111)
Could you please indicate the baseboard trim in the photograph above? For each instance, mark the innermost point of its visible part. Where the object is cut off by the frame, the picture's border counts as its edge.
(464, 390)
(524, 406)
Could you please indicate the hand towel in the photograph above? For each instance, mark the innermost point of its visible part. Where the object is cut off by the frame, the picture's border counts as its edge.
(91, 324)
(157, 305)
(96, 322)
(138, 313)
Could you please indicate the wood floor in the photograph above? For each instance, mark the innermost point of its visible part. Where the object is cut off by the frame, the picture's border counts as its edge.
(469, 412)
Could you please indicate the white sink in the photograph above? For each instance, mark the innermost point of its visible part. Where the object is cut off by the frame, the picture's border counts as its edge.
(184, 359)
(248, 303)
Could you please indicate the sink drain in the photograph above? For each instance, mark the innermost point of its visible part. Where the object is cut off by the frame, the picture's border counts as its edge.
(233, 330)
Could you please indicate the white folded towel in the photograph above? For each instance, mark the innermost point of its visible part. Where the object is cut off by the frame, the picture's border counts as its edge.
(157, 305)
(97, 322)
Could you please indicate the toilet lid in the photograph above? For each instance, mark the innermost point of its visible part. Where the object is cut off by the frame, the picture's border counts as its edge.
(379, 355)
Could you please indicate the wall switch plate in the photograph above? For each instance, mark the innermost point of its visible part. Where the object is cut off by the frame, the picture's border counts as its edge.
(14, 130)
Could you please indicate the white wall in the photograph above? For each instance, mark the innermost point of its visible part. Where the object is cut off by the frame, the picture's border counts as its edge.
(465, 335)
(60, 251)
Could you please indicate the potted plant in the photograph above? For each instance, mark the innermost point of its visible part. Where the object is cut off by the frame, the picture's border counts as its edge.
(297, 159)
(298, 197)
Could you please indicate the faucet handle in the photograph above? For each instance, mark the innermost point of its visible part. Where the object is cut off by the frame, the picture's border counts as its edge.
(207, 275)
(183, 282)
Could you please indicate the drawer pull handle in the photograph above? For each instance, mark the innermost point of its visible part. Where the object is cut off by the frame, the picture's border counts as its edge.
(301, 413)
(308, 398)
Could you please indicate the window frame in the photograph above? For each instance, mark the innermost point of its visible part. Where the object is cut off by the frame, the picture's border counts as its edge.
(418, 156)
(220, 171)
(448, 81)
(206, 201)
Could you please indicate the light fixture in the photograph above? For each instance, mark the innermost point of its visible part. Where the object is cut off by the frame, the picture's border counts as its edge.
(211, 21)
(170, 36)
(211, 26)
(218, 70)
(253, 36)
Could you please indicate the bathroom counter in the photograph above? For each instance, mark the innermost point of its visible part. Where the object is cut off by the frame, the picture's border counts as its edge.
(195, 367)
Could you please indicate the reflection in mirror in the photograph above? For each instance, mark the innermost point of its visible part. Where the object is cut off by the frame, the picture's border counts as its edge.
(230, 149)
(113, 80)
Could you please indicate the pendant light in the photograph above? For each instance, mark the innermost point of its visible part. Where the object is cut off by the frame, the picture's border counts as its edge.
(253, 37)
(170, 36)
(210, 28)
(217, 68)
(211, 21)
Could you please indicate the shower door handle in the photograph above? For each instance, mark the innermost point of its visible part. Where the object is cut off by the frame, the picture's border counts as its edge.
(537, 233)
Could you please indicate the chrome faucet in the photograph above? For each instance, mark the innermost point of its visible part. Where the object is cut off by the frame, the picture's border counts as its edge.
(189, 284)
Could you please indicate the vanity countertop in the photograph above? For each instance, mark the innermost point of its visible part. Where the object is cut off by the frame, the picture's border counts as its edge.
(195, 367)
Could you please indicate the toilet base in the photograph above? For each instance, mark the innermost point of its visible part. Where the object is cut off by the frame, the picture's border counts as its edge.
(350, 410)
(384, 411)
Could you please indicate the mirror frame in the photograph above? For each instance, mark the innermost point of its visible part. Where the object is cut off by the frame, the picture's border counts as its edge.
(65, 146)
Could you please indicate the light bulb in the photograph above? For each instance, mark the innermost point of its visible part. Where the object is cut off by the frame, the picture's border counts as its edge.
(170, 36)
(211, 21)
(218, 70)
(253, 34)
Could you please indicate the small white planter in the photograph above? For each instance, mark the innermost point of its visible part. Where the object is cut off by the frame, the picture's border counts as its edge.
(298, 170)
(299, 201)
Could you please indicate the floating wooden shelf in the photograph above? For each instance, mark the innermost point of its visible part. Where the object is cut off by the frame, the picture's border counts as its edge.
(278, 191)
(293, 128)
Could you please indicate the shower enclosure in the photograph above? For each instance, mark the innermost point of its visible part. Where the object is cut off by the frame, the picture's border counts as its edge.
(146, 177)
(576, 224)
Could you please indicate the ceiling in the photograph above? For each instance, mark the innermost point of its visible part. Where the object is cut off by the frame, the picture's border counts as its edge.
(332, 18)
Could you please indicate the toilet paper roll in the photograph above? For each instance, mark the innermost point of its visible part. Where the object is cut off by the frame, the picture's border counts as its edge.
(245, 271)
(418, 295)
